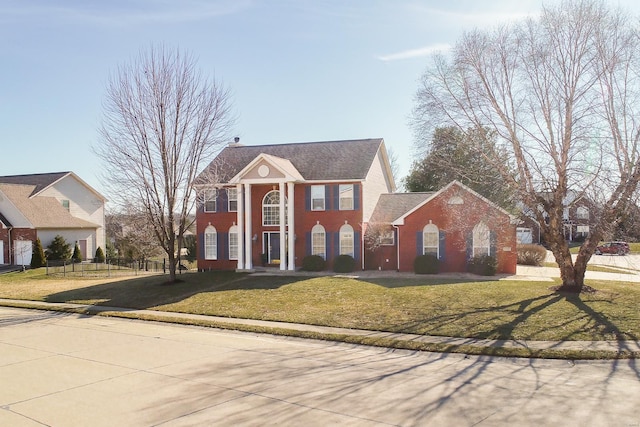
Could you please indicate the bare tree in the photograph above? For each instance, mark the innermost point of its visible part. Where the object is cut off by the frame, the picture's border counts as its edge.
(163, 120)
(562, 93)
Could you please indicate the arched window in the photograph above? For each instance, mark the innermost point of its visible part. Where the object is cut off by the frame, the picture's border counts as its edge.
(318, 241)
(430, 240)
(481, 240)
(210, 242)
(346, 240)
(271, 208)
(233, 242)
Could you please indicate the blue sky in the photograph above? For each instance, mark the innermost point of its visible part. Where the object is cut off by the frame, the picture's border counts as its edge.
(298, 70)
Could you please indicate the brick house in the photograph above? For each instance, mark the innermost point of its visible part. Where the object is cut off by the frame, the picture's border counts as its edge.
(333, 191)
(43, 206)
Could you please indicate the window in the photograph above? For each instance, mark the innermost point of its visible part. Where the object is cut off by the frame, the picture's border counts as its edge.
(346, 197)
(318, 241)
(232, 195)
(317, 198)
(430, 240)
(346, 240)
(233, 242)
(387, 237)
(582, 213)
(65, 204)
(209, 200)
(210, 243)
(481, 240)
(271, 208)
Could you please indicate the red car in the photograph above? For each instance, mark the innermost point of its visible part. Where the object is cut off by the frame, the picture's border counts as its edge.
(619, 248)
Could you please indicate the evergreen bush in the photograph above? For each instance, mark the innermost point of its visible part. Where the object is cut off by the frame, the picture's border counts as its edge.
(344, 264)
(77, 256)
(313, 263)
(58, 249)
(484, 265)
(37, 257)
(426, 264)
(99, 256)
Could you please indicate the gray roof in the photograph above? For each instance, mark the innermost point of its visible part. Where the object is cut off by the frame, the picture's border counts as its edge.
(392, 206)
(317, 161)
(40, 181)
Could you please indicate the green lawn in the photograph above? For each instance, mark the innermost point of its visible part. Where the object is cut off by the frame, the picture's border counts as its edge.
(420, 305)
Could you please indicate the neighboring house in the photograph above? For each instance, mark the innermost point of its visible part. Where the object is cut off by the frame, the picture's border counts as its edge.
(576, 217)
(43, 206)
(332, 192)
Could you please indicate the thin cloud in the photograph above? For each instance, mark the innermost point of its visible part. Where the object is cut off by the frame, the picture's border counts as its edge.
(415, 53)
(124, 13)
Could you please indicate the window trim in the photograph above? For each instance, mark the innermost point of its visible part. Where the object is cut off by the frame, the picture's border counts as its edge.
(315, 231)
(210, 243)
(231, 191)
(388, 237)
(341, 189)
(344, 233)
(320, 188)
(206, 198)
(274, 207)
(431, 229)
(233, 231)
(481, 227)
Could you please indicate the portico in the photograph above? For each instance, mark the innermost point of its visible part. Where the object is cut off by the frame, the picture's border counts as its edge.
(277, 213)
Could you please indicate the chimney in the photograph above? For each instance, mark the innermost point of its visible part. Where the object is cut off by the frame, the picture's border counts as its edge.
(236, 142)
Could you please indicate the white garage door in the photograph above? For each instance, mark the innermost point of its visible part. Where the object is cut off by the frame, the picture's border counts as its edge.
(22, 252)
(524, 235)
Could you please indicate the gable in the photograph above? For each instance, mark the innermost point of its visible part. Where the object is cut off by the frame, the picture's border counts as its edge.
(455, 194)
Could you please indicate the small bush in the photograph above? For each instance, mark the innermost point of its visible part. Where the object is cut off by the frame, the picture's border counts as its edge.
(313, 263)
(77, 256)
(344, 264)
(99, 256)
(426, 264)
(483, 265)
(37, 258)
(531, 255)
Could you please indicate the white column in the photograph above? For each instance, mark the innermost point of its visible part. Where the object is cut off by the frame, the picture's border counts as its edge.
(240, 222)
(248, 264)
(283, 243)
(292, 229)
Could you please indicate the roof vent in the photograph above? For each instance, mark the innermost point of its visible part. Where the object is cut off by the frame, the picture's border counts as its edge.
(235, 143)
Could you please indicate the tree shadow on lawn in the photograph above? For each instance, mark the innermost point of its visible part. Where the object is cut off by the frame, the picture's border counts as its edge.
(151, 291)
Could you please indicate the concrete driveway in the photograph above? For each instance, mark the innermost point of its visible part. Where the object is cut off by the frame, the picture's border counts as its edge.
(71, 370)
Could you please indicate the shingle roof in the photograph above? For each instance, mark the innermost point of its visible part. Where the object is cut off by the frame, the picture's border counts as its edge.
(39, 181)
(41, 212)
(392, 206)
(321, 161)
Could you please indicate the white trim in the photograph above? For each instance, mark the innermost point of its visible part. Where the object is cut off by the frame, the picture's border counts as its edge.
(248, 234)
(282, 228)
(284, 166)
(240, 221)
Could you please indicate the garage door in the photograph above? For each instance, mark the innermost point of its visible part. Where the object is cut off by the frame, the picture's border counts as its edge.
(524, 235)
(22, 252)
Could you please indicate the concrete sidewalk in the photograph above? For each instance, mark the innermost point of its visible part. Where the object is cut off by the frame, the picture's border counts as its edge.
(613, 346)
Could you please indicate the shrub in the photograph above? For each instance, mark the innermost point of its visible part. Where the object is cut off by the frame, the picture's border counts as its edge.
(344, 264)
(531, 254)
(484, 265)
(99, 256)
(37, 258)
(313, 263)
(59, 249)
(426, 264)
(77, 256)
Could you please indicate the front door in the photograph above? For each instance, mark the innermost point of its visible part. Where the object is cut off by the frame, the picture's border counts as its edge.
(271, 247)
